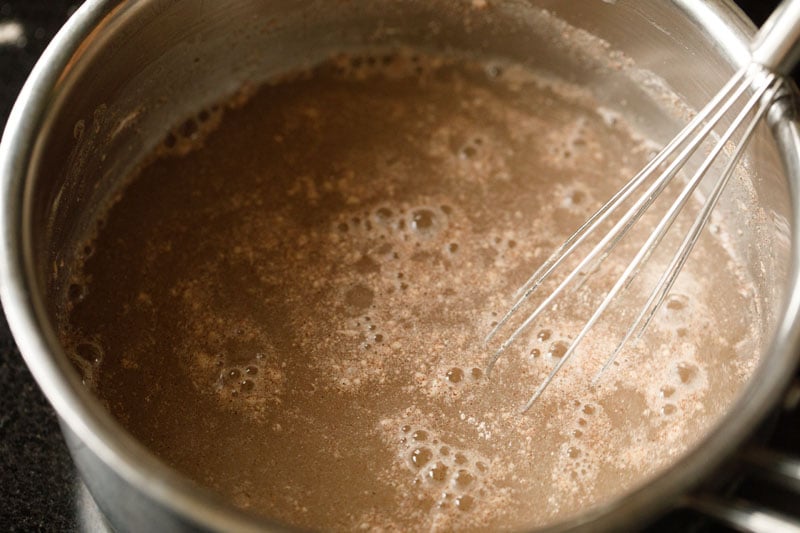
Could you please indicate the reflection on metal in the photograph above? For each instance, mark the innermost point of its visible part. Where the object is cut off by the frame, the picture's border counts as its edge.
(90, 518)
(744, 516)
(769, 466)
(774, 466)
(792, 400)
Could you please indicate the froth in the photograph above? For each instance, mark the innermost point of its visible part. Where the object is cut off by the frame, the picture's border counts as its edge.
(458, 483)
(323, 273)
(190, 134)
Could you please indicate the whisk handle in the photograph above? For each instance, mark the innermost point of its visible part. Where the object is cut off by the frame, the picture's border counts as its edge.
(777, 44)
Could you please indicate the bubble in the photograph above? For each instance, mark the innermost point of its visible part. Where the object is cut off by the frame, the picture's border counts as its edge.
(588, 409)
(667, 391)
(170, 141)
(464, 503)
(89, 351)
(467, 152)
(573, 452)
(677, 302)
(438, 473)
(343, 227)
(668, 409)
(480, 466)
(423, 220)
(383, 214)
(444, 450)
(406, 428)
(420, 435)
(453, 247)
(455, 375)
(577, 433)
(557, 350)
(686, 372)
(544, 335)
(461, 459)
(476, 373)
(421, 456)
(234, 373)
(246, 385)
(464, 478)
(76, 292)
(535, 352)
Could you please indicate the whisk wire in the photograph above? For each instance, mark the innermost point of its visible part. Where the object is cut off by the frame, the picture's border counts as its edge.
(634, 213)
(592, 223)
(666, 222)
(668, 277)
(686, 143)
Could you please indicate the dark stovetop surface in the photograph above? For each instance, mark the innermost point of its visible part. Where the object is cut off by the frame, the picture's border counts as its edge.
(38, 483)
(39, 488)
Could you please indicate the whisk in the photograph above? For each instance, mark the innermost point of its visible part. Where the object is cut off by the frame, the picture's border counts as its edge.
(742, 103)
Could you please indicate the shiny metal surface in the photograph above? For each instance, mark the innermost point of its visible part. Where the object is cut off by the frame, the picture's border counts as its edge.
(743, 516)
(675, 156)
(776, 44)
(779, 467)
(120, 72)
(757, 510)
(774, 48)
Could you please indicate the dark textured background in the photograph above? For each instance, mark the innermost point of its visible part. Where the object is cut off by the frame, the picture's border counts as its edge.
(37, 479)
(39, 489)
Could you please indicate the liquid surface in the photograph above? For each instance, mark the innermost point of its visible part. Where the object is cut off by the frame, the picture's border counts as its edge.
(290, 305)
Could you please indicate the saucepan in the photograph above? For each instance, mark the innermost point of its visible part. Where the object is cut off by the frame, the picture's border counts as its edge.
(122, 71)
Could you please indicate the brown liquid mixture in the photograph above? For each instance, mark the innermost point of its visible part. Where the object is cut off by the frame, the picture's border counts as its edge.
(291, 307)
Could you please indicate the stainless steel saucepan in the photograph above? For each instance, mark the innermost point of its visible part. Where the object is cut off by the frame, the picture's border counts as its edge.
(121, 72)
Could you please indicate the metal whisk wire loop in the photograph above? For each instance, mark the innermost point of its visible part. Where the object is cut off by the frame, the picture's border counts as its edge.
(737, 109)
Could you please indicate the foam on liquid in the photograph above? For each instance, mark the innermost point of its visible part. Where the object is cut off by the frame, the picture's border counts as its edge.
(293, 314)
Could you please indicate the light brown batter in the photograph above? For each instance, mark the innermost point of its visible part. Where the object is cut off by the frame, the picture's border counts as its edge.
(290, 306)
